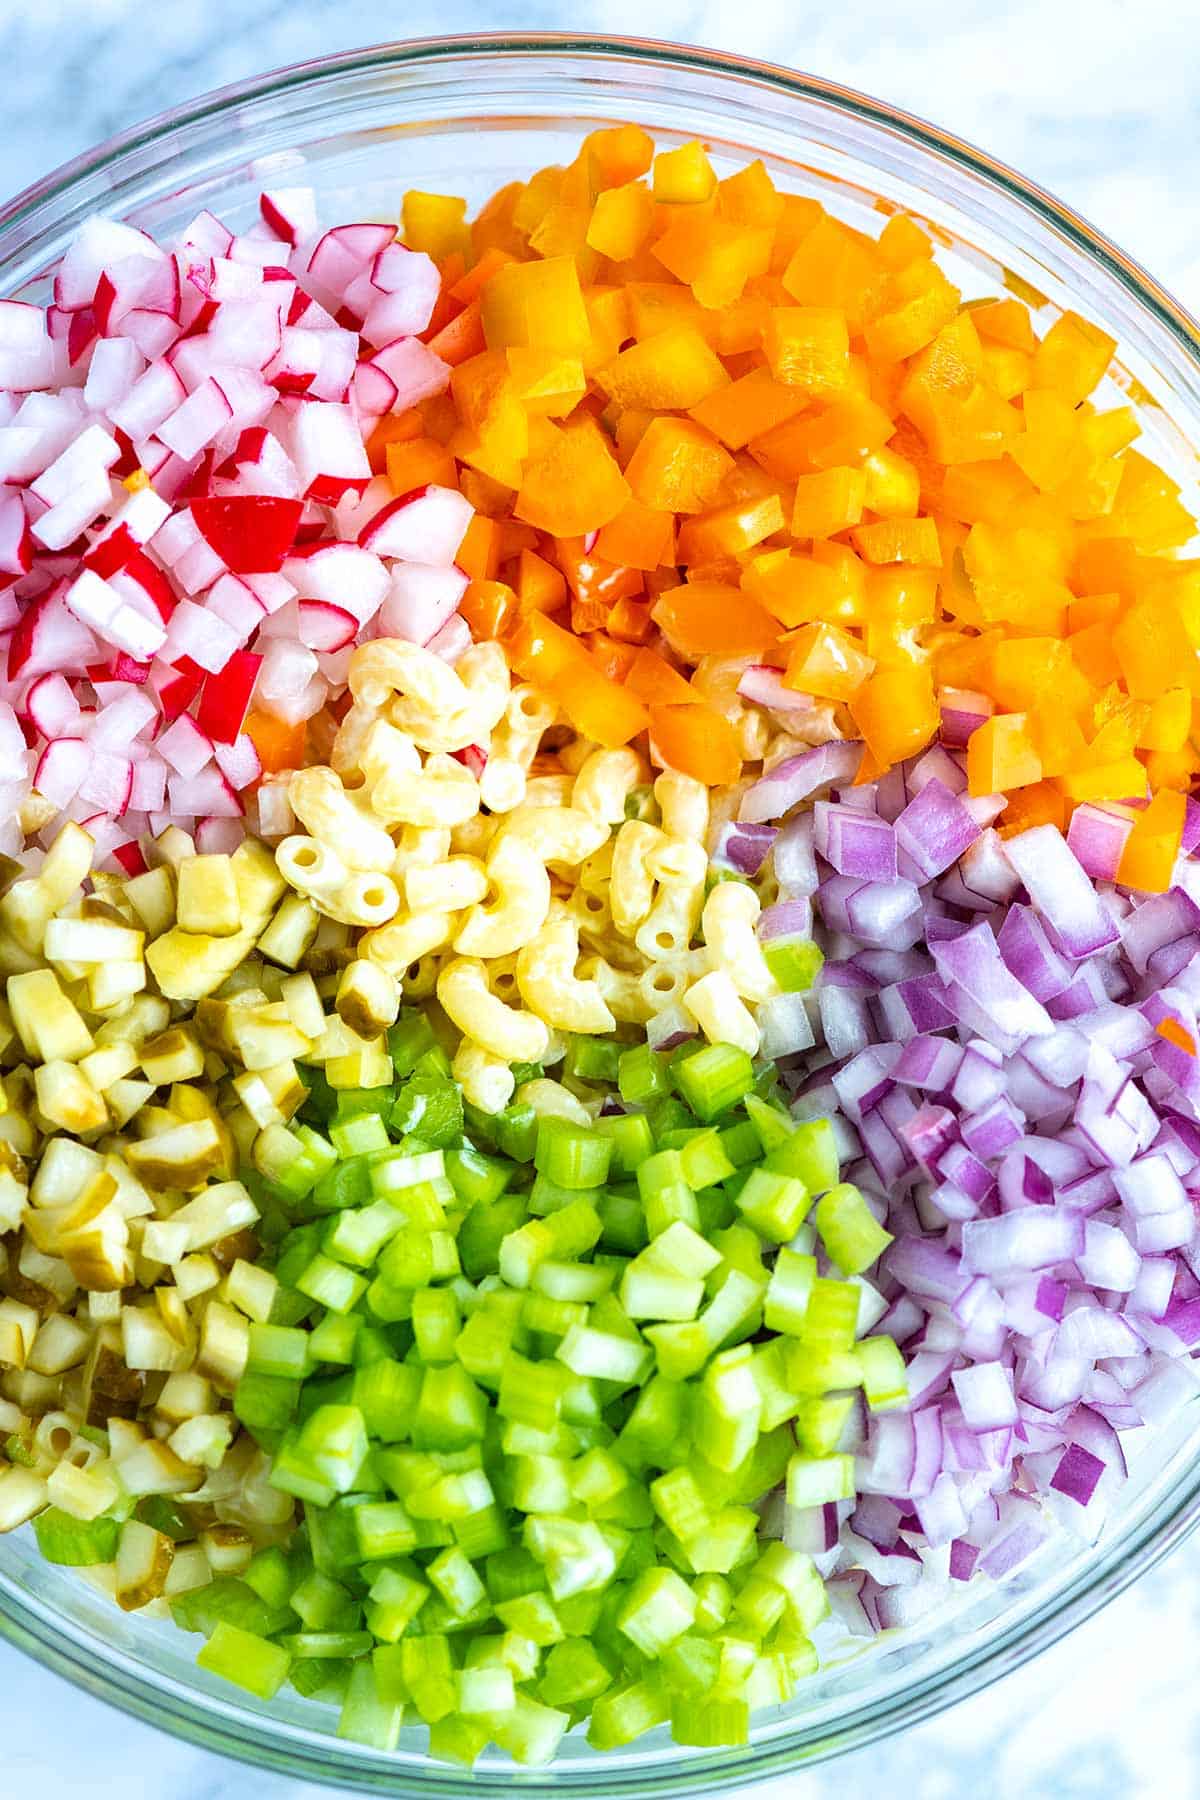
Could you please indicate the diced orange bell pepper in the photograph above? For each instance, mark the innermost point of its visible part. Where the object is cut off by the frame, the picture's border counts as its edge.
(677, 467)
(630, 621)
(697, 741)
(1039, 804)
(540, 586)
(730, 530)
(1124, 778)
(826, 663)
(893, 485)
(1169, 724)
(490, 608)
(714, 257)
(808, 347)
(1072, 357)
(834, 266)
(674, 369)
(896, 712)
(618, 153)
(598, 708)
(460, 337)
(899, 541)
(479, 553)
(846, 431)
(1001, 756)
(796, 589)
(540, 651)
(750, 197)
(653, 680)
(547, 382)
(418, 462)
(917, 302)
(280, 745)
(536, 306)
(622, 220)
(707, 619)
(393, 428)
(902, 242)
(1006, 322)
(828, 502)
(656, 306)
(1153, 650)
(638, 538)
(683, 176)
(613, 658)
(592, 577)
(1147, 507)
(1148, 859)
(575, 486)
(435, 223)
(747, 408)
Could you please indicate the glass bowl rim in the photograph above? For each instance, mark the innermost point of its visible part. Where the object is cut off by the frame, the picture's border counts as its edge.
(197, 1718)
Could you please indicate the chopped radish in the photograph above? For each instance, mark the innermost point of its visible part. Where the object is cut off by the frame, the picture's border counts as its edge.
(324, 627)
(61, 769)
(420, 600)
(184, 746)
(226, 697)
(328, 451)
(343, 575)
(291, 213)
(52, 706)
(426, 526)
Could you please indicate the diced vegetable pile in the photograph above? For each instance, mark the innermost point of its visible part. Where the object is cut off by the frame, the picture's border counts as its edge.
(601, 939)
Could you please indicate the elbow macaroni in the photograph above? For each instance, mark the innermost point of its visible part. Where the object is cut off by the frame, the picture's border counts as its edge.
(551, 988)
(731, 943)
(480, 1015)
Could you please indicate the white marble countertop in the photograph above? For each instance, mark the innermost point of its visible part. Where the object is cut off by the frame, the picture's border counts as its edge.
(1098, 102)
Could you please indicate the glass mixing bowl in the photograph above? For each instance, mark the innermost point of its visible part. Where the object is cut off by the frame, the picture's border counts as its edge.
(463, 116)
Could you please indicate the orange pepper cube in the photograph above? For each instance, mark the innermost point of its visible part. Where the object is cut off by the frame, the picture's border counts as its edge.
(917, 303)
(749, 407)
(834, 266)
(1072, 357)
(899, 541)
(808, 347)
(1001, 756)
(575, 485)
(545, 381)
(683, 176)
(638, 537)
(435, 223)
(1148, 859)
(828, 502)
(677, 467)
(896, 712)
(622, 220)
(697, 741)
(536, 305)
(1153, 650)
(708, 618)
(730, 530)
(826, 663)
(420, 462)
(675, 369)
(653, 680)
(715, 258)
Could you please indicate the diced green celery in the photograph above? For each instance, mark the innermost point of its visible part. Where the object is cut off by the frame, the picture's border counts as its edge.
(642, 1075)
(226, 1598)
(325, 1646)
(883, 1373)
(820, 1422)
(430, 1107)
(483, 1230)
(574, 1673)
(457, 1581)
(410, 1038)
(367, 1717)
(250, 1662)
(270, 1575)
(356, 1136)
(516, 1131)
(278, 1350)
(774, 1204)
(436, 1323)
(632, 1140)
(349, 1184)
(728, 1409)
(626, 1713)
(794, 962)
(704, 1160)
(265, 1403)
(576, 1554)
(710, 1722)
(816, 1480)
(323, 1604)
(383, 1528)
(331, 1284)
(427, 1669)
(832, 1317)
(714, 1079)
(451, 1410)
(333, 1338)
(852, 1236)
(785, 1304)
(357, 1237)
(592, 1059)
(809, 1152)
(75, 1543)
(572, 1155)
(477, 1180)
(385, 1392)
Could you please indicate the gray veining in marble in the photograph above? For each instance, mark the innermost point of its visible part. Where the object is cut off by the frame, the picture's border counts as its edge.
(1099, 102)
